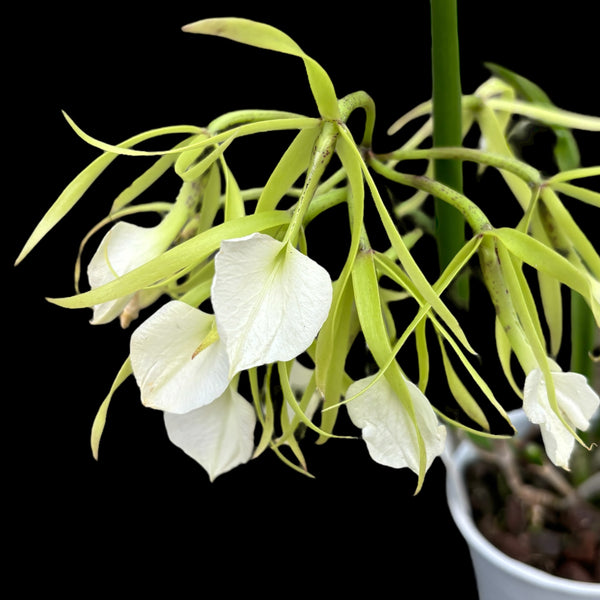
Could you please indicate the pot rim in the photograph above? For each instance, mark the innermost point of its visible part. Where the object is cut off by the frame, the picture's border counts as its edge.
(460, 510)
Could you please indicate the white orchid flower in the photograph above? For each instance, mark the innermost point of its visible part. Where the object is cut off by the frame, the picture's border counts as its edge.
(219, 436)
(386, 427)
(576, 400)
(127, 246)
(269, 299)
(177, 359)
(182, 369)
(124, 248)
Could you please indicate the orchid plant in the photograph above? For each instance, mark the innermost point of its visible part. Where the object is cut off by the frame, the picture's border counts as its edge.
(244, 338)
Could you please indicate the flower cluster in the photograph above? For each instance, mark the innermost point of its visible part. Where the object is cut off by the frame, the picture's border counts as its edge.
(241, 301)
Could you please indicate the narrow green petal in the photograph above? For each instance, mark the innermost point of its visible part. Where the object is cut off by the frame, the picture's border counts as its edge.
(277, 124)
(234, 203)
(290, 167)
(265, 36)
(547, 114)
(175, 261)
(579, 193)
(100, 420)
(460, 392)
(545, 259)
(75, 190)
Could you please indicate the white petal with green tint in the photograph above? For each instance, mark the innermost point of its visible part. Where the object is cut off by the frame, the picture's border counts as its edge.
(123, 248)
(270, 300)
(577, 402)
(386, 427)
(175, 364)
(219, 436)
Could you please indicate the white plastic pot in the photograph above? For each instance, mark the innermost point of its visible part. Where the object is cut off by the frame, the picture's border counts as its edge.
(500, 577)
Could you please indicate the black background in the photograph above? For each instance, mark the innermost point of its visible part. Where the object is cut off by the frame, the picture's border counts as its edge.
(145, 513)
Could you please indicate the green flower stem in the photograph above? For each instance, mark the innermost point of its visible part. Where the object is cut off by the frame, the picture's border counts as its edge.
(459, 203)
(360, 100)
(322, 152)
(447, 130)
(236, 118)
(504, 163)
(183, 208)
(493, 275)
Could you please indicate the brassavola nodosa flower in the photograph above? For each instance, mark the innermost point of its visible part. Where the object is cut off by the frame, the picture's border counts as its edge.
(181, 368)
(127, 246)
(219, 436)
(559, 402)
(178, 360)
(269, 299)
(387, 427)
(577, 403)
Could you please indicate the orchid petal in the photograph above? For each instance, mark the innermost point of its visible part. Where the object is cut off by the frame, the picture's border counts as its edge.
(270, 300)
(577, 402)
(219, 436)
(175, 371)
(124, 248)
(387, 427)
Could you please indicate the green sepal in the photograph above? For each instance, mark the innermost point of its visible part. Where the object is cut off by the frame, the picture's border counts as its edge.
(460, 393)
(578, 193)
(290, 399)
(75, 190)
(251, 128)
(234, 202)
(264, 411)
(403, 254)
(543, 258)
(290, 167)
(177, 261)
(257, 34)
(146, 179)
(100, 420)
(566, 151)
(368, 307)
(329, 356)
(504, 350)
